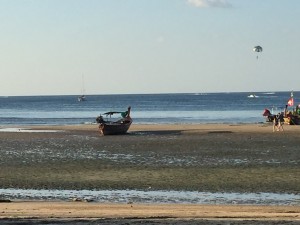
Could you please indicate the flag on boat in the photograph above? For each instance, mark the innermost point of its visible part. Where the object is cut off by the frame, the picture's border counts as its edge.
(290, 102)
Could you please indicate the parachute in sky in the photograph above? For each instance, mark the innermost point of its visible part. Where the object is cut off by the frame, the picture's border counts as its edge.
(257, 49)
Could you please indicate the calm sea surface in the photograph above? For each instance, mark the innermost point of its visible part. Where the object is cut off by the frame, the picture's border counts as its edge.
(146, 108)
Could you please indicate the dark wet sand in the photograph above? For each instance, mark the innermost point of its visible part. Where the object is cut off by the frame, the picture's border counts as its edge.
(215, 158)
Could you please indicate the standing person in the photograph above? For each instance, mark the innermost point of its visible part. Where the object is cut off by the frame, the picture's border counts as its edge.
(275, 123)
(280, 122)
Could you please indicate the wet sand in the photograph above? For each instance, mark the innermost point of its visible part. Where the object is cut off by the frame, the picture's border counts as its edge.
(210, 157)
(214, 158)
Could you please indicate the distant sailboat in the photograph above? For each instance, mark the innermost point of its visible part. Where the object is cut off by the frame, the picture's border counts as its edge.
(82, 97)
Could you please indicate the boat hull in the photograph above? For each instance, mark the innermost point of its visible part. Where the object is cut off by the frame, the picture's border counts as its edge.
(292, 120)
(81, 98)
(114, 128)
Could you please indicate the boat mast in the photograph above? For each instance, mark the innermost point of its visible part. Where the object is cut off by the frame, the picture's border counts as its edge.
(82, 96)
(82, 88)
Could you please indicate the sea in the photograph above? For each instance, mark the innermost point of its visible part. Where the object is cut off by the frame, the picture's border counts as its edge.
(183, 108)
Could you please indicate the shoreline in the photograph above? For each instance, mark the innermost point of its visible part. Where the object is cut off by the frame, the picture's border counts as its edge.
(150, 197)
(194, 127)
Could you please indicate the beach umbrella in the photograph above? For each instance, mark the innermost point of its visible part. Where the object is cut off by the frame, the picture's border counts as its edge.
(257, 49)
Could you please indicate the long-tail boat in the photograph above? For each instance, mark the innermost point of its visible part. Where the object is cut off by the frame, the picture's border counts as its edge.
(109, 127)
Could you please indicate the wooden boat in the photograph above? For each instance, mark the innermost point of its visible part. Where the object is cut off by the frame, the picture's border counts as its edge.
(292, 119)
(121, 126)
(269, 116)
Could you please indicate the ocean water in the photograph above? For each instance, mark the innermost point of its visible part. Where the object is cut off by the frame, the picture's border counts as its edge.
(186, 108)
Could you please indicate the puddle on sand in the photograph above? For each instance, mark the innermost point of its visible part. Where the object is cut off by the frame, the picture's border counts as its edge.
(136, 196)
(27, 130)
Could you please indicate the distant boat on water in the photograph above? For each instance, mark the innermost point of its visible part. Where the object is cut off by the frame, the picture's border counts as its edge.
(253, 96)
(82, 97)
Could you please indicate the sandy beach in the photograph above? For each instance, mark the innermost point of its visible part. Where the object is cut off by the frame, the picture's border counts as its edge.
(243, 158)
(89, 213)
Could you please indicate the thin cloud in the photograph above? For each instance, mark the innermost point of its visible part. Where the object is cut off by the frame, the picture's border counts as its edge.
(210, 3)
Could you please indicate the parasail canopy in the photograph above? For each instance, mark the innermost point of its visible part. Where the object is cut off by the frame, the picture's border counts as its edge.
(257, 49)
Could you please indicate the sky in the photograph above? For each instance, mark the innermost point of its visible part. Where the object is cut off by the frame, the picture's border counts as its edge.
(59, 47)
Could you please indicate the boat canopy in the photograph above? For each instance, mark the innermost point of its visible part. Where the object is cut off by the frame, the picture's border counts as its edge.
(111, 113)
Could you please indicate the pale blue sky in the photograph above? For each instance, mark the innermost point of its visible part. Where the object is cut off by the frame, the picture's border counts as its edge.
(148, 46)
